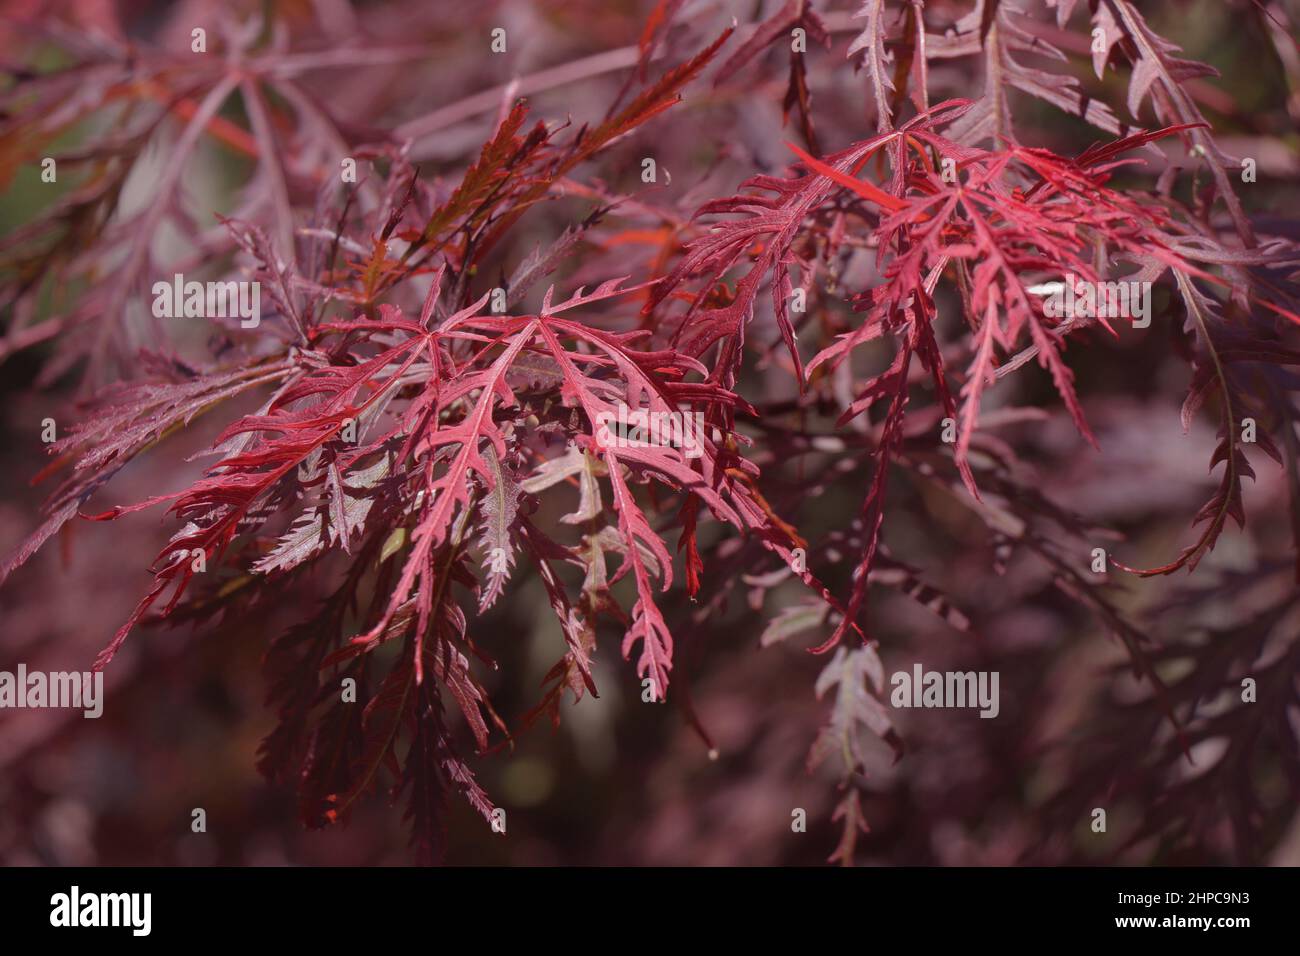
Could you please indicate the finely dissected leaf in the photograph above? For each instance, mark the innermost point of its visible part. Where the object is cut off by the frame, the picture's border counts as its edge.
(999, 33)
(875, 59)
(1155, 65)
(313, 531)
(857, 677)
(1223, 351)
(1004, 232)
(793, 620)
(793, 15)
(131, 419)
(500, 506)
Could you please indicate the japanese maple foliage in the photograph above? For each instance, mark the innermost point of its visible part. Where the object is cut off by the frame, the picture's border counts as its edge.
(425, 441)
